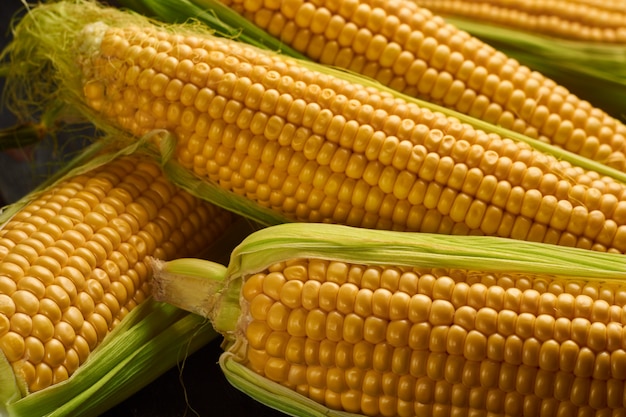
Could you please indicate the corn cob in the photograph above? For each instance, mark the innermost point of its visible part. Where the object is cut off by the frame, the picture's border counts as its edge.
(402, 44)
(399, 324)
(73, 261)
(570, 19)
(316, 147)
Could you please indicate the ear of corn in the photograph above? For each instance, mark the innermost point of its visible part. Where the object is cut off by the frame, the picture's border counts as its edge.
(564, 61)
(73, 271)
(401, 324)
(318, 145)
(414, 51)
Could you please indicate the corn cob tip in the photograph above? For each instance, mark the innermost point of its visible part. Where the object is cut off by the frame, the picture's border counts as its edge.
(41, 63)
(91, 38)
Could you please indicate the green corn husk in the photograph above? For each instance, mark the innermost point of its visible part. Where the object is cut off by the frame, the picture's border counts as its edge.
(213, 291)
(151, 339)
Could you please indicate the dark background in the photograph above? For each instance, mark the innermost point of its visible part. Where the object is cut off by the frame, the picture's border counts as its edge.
(208, 393)
(200, 389)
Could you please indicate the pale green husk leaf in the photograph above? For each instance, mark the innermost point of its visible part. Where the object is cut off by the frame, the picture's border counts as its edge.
(484, 253)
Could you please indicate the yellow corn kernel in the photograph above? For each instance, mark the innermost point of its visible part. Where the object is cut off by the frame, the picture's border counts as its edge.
(66, 283)
(405, 45)
(336, 151)
(499, 342)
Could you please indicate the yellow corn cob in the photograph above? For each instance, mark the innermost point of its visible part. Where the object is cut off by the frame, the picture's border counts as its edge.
(73, 261)
(570, 19)
(397, 341)
(404, 45)
(386, 324)
(319, 148)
